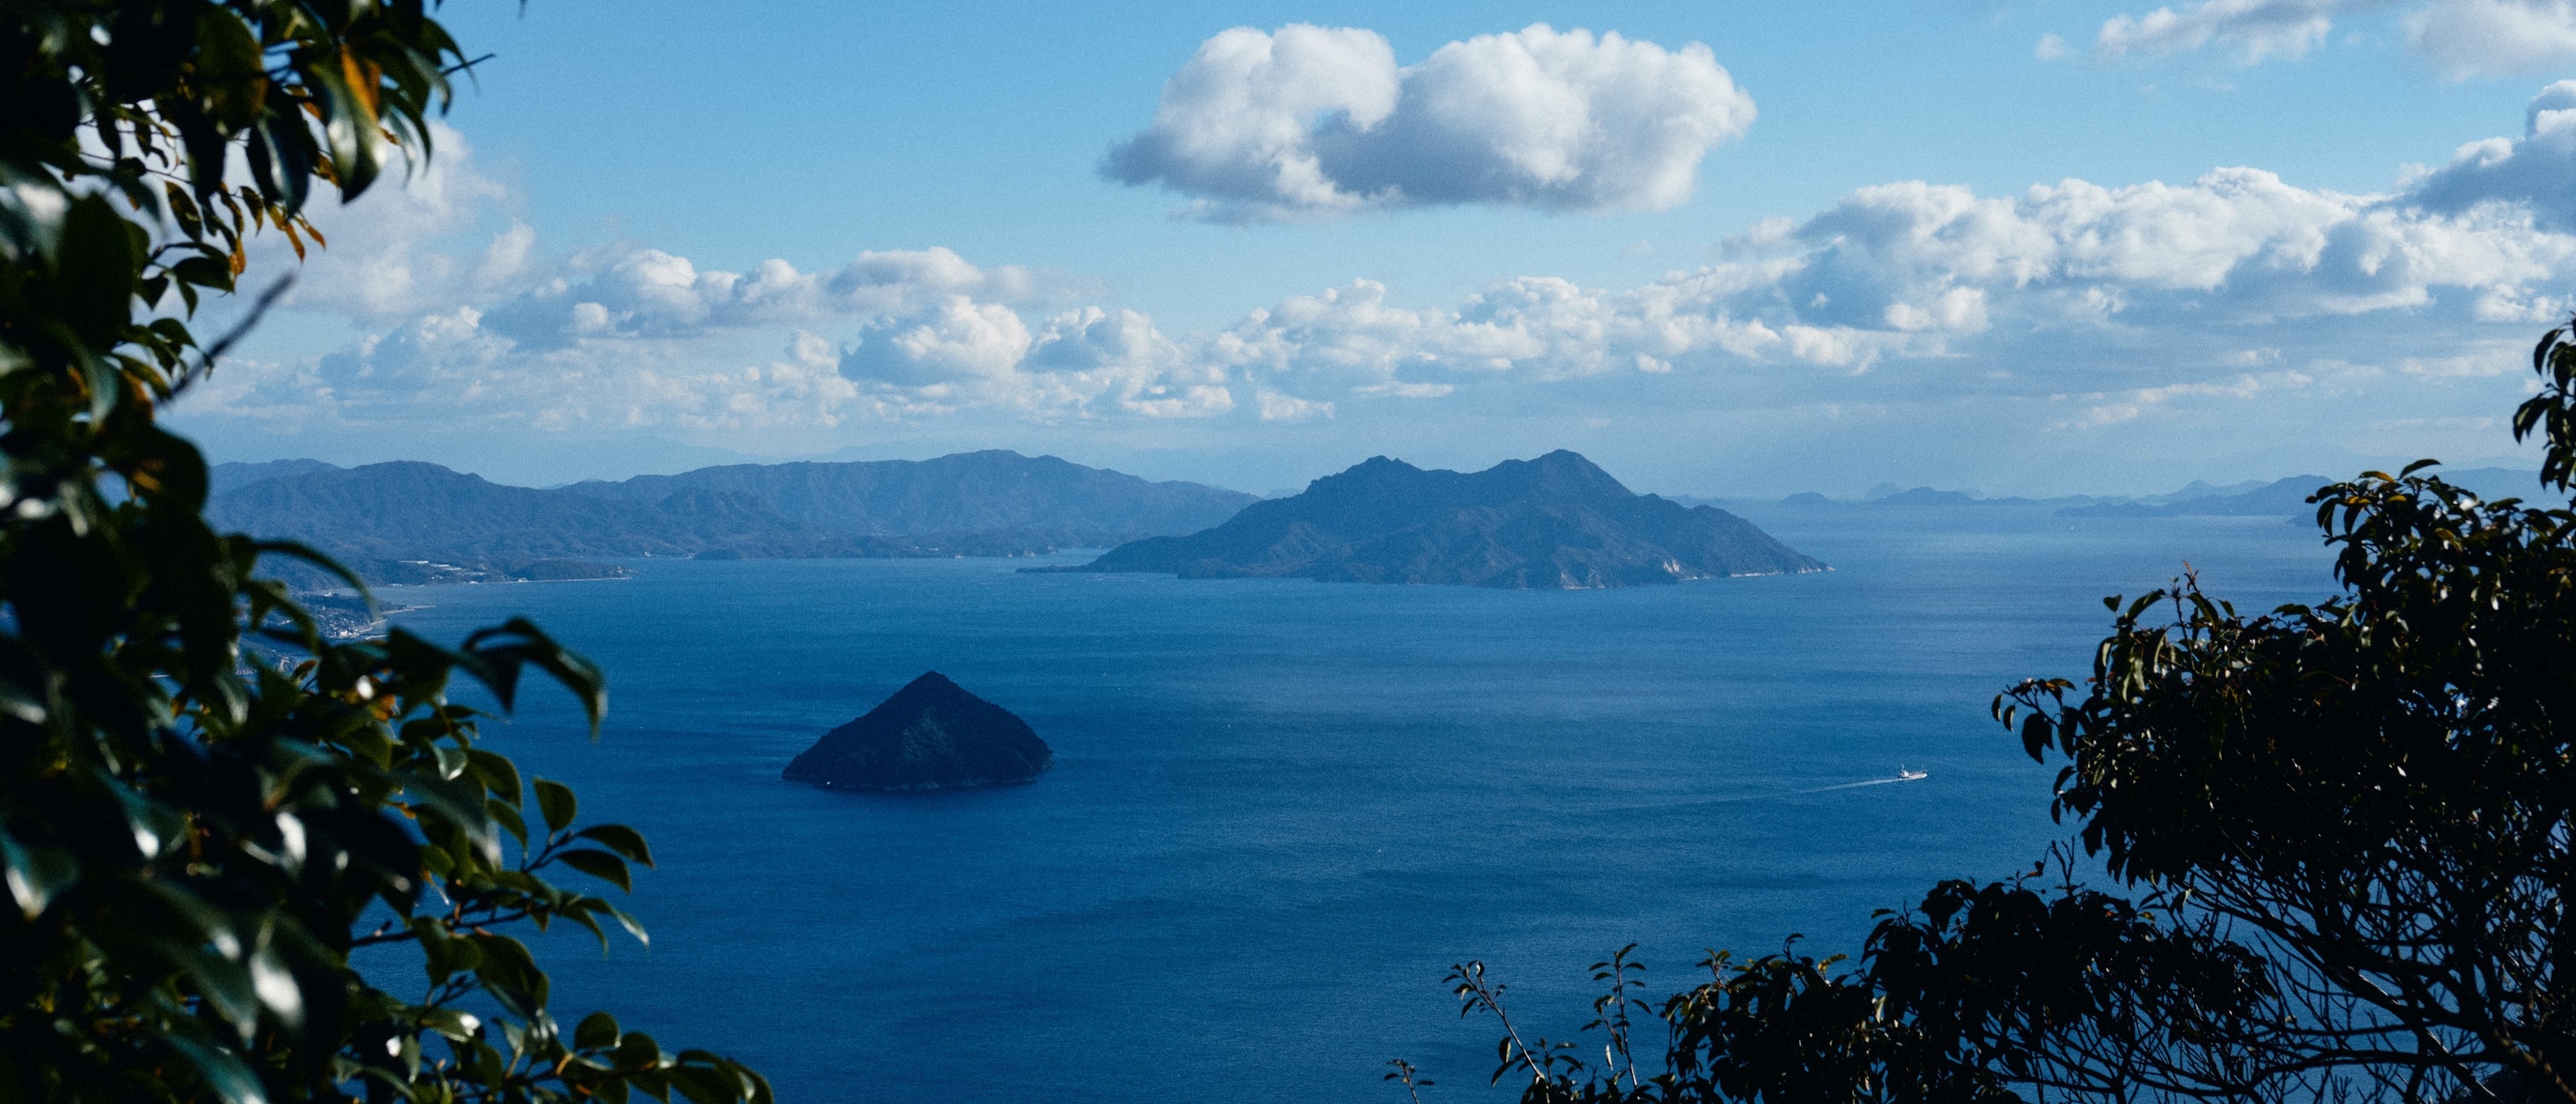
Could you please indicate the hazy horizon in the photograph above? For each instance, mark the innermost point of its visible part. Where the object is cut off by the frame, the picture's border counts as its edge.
(1879, 489)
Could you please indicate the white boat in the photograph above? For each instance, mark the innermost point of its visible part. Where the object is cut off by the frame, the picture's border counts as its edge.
(1904, 775)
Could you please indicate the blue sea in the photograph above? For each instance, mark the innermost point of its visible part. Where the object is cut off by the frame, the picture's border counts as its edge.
(1282, 809)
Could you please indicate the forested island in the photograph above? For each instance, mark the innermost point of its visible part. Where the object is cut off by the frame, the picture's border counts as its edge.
(1555, 522)
(931, 735)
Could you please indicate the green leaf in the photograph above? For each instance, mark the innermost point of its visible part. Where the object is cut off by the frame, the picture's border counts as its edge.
(558, 803)
(222, 1070)
(506, 815)
(598, 1031)
(98, 269)
(451, 761)
(633, 926)
(601, 865)
(507, 964)
(460, 804)
(705, 1086)
(493, 657)
(619, 838)
(228, 69)
(226, 985)
(500, 775)
(638, 1051)
(36, 875)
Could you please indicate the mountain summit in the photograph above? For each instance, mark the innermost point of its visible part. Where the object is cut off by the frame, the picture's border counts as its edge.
(930, 735)
(1556, 522)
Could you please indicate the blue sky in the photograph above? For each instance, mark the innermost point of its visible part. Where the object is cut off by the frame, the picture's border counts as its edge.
(1735, 249)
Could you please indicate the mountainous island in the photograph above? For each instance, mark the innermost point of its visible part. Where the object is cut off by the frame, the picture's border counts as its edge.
(931, 735)
(409, 521)
(1556, 522)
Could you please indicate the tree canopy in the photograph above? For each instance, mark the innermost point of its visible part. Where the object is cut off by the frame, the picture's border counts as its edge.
(2333, 842)
(206, 804)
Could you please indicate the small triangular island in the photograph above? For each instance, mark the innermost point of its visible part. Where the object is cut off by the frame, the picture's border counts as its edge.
(931, 735)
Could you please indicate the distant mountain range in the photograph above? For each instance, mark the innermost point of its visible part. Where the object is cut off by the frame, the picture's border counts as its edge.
(1554, 522)
(989, 492)
(2289, 497)
(2280, 497)
(410, 521)
(2259, 498)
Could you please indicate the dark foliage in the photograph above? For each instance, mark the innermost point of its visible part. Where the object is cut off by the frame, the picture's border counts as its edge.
(206, 804)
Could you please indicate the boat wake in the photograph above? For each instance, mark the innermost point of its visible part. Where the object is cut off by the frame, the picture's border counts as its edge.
(1902, 775)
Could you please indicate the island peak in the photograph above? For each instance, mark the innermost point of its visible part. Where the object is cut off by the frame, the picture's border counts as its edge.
(1556, 521)
(932, 734)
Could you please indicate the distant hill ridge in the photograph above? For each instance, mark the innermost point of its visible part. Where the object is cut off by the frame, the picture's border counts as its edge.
(1557, 521)
(2285, 497)
(968, 492)
(388, 519)
(2289, 497)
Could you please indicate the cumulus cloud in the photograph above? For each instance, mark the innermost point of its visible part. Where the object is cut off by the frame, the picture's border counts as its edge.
(632, 291)
(1925, 272)
(2237, 243)
(1120, 358)
(956, 343)
(1083, 363)
(2461, 39)
(627, 337)
(2536, 171)
(425, 243)
(1314, 121)
(2107, 305)
(445, 371)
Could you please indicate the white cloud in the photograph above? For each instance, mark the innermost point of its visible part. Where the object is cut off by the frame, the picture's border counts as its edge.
(629, 337)
(445, 371)
(1312, 121)
(2483, 38)
(2093, 305)
(631, 291)
(2233, 266)
(2112, 408)
(1545, 328)
(2537, 171)
(392, 253)
(1276, 407)
(1921, 273)
(1120, 358)
(2237, 242)
(2257, 28)
(1084, 363)
(2461, 39)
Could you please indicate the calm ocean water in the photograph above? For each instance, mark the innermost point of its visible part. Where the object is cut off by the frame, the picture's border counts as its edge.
(1281, 809)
